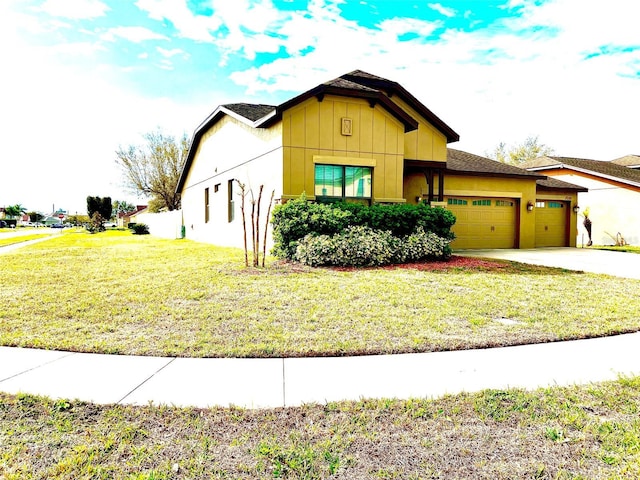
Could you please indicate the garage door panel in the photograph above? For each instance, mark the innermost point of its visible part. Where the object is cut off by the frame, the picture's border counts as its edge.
(483, 222)
(551, 223)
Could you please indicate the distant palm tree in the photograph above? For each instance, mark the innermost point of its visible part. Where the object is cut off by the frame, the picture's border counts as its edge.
(14, 210)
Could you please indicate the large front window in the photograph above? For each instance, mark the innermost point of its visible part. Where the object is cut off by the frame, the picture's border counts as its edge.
(337, 182)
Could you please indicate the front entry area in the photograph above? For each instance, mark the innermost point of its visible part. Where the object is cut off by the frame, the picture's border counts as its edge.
(552, 220)
(484, 222)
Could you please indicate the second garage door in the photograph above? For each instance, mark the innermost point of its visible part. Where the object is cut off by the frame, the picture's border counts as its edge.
(551, 223)
(484, 222)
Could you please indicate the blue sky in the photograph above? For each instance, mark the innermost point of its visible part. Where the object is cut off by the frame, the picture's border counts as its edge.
(82, 77)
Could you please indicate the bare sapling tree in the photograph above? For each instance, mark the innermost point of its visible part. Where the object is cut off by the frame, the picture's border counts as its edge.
(243, 195)
(255, 224)
(266, 227)
(256, 229)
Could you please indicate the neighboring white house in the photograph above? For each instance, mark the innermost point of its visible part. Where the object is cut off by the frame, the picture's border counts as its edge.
(612, 200)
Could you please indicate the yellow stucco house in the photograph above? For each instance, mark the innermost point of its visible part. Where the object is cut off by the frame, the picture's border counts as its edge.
(364, 138)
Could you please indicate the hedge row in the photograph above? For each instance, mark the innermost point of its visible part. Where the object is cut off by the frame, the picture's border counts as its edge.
(361, 246)
(323, 228)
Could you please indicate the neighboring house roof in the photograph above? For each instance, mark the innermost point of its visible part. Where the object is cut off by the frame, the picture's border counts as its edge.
(631, 161)
(604, 170)
(138, 209)
(356, 84)
(550, 183)
(463, 162)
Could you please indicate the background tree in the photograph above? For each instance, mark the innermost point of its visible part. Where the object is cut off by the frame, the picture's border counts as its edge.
(101, 205)
(518, 154)
(78, 219)
(120, 206)
(99, 211)
(14, 210)
(35, 217)
(153, 169)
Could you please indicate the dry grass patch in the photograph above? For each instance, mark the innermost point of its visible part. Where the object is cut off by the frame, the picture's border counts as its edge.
(590, 432)
(119, 293)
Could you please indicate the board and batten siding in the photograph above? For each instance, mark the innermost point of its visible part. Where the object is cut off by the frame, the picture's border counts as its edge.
(313, 130)
(427, 142)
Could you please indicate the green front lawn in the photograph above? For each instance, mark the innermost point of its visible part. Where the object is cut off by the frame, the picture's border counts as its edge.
(626, 248)
(588, 432)
(119, 293)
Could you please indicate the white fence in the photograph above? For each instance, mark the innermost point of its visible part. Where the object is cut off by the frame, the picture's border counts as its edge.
(163, 224)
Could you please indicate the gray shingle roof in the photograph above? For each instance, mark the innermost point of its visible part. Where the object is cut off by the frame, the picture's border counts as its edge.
(250, 111)
(551, 183)
(344, 83)
(460, 161)
(597, 167)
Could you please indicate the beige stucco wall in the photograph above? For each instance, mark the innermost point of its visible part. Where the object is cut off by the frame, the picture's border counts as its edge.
(231, 150)
(612, 209)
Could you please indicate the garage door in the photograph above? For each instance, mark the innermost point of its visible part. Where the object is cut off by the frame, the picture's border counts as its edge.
(484, 222)
(551, 223)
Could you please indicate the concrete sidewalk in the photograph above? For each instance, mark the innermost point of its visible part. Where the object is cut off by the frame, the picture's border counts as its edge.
(278, 382)
(619, 264)
(14, 246)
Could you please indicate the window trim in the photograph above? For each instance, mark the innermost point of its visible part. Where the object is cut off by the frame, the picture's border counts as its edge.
(343, 197)
(230, 202)
(206, 205)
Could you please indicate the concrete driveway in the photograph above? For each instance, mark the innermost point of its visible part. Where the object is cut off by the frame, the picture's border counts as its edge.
(619, 264)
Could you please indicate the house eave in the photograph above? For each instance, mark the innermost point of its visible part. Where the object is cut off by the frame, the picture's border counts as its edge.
(321, 91)
(593, 173)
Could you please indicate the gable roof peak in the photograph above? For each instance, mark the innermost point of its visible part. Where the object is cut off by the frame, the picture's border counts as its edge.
(389, 88)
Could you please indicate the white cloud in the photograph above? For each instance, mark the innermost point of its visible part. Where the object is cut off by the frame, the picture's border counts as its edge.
(401, 26)
(511, 80)
(166, 64)
(133, 34)
(447, 12)
(66, 120)
(75, 9)
(170, 53)
(189, 25)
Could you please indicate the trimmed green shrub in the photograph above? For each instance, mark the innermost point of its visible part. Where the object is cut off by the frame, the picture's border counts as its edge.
(361, 246)
(298, 218)
(400, 218)
(421, 245)
(140, 229)
(357, 246)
